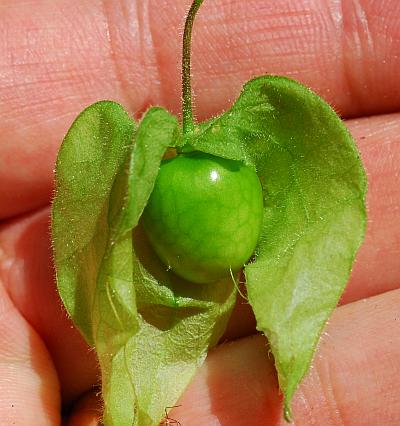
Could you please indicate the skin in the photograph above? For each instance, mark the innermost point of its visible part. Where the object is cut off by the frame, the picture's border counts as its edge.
(57, 57)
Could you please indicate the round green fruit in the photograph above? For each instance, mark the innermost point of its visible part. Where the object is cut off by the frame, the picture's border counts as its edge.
(204, 216)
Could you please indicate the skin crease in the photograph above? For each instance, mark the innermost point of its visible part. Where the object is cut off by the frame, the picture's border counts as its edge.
(58, 57)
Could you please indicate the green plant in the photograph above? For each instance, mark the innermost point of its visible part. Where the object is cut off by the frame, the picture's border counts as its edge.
(150, 326)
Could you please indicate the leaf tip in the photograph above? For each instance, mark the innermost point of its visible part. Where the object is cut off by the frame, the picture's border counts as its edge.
(287, 412)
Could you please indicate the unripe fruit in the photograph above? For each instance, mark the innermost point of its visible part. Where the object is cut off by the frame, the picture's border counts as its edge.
(204, 215)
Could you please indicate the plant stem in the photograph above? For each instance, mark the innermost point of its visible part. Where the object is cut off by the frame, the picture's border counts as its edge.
(187, 108)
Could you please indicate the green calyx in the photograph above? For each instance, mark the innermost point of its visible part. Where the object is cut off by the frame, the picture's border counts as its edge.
(278, 175)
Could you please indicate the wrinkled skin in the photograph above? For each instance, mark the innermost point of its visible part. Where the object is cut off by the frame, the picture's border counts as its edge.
(58, 57)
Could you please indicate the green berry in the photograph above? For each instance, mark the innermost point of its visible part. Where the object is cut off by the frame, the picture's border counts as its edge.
(204, 215)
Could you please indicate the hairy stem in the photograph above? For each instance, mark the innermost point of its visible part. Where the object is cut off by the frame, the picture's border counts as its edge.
(187, 108)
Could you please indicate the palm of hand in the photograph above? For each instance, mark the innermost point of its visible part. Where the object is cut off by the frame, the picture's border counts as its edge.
(42, 357)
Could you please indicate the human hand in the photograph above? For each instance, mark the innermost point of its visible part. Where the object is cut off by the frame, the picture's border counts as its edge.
(58, 57)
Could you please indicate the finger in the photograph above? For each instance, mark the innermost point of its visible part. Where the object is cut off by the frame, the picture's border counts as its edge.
(27, 273)
(340, 49)
(29, 385)
(377, 267)
(354, 376)
(68, 54)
